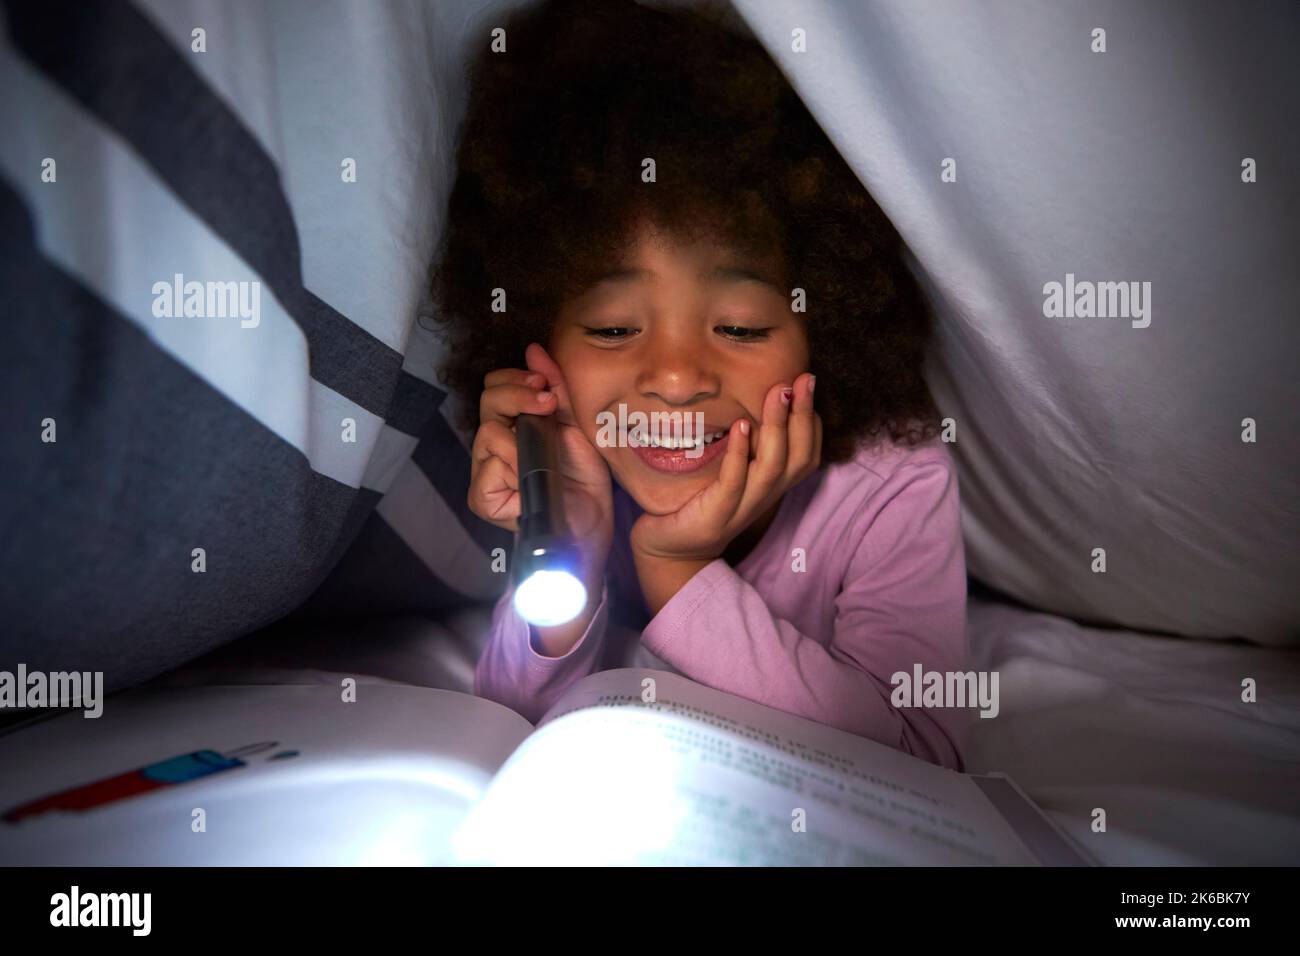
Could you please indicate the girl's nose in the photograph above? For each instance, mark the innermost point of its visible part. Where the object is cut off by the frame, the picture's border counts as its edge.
(678, 375)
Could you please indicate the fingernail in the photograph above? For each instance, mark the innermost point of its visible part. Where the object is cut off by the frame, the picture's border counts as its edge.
(812, 381)
(744, 427)
(545, 397)
(787, 394)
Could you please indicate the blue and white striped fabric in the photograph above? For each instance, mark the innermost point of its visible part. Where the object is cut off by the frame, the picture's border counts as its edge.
(225, 164)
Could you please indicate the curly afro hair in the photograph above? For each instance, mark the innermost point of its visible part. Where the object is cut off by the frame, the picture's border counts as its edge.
(548, 193)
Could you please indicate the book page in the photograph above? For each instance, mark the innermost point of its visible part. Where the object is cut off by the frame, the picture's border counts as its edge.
(381, 779)
(696, 776)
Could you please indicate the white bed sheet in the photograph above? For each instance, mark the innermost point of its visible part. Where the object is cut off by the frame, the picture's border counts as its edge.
(1151, 729)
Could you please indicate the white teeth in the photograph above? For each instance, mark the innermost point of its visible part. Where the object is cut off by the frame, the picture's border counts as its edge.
(676, 444)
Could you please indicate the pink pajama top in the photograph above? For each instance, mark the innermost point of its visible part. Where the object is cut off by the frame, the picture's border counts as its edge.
(860, 575)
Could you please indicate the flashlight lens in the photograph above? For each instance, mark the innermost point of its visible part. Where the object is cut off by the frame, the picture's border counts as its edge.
(550, 598)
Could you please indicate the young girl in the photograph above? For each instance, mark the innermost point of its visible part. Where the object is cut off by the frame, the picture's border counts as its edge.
(647, 215)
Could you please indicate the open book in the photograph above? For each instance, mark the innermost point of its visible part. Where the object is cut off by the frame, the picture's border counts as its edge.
(629, 766)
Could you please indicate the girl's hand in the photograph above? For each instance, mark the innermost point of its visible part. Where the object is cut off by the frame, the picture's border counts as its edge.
(789, 448)
(584, 475)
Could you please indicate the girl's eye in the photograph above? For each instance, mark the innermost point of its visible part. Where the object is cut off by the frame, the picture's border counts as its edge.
(743, 333)
(613, 332)
(740, 333)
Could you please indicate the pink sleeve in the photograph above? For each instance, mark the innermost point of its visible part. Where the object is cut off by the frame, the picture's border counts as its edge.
(510, 672)
(903, 601)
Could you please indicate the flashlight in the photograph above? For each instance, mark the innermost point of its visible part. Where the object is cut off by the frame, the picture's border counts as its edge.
(548, 586)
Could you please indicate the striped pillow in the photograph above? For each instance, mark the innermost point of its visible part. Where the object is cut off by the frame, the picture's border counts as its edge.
(216, 250)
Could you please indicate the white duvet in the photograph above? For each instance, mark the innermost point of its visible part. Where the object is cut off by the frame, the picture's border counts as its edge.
(1083, 433)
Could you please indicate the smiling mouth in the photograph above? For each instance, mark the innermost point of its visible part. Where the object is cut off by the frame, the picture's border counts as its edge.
(683, 459)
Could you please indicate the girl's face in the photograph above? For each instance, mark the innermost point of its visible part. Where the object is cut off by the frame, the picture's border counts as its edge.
(677, 329)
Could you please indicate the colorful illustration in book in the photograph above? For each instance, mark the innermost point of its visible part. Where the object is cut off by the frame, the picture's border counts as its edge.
(155, 776)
